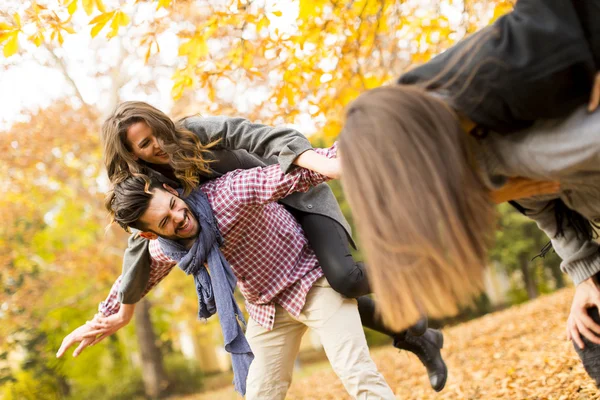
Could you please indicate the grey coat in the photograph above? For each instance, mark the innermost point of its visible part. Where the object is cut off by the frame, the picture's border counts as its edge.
(242, 145)
(565, 150)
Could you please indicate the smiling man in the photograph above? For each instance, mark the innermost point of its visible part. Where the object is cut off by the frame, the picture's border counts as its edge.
(275, 268)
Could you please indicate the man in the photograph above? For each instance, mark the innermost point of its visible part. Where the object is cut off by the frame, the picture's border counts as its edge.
(277, 273)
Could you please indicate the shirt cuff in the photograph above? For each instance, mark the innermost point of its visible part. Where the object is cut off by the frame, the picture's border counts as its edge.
(290, 152)
(581, 270)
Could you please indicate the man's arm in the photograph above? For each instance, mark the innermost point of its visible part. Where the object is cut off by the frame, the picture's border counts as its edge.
(112, 314)
(264, 185)
(580, 259)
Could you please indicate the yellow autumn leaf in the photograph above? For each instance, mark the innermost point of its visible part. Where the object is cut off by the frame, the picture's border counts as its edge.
(147, 56)
(100, 6)
(194, 49)
(37, 38)
(88, 6)
(72, 7)
(114, 27)
(120, 19)
(263, 22)
(279, 96)
(308, 9)
(97, 28)
(12, 44)
(100, 21)
(501, 9)
(277, 13)
(163, 3)
(102, 18)
(4, 36)
(6, 27)
(124, 19)
(211, 92)
(247, 60)
(373, 82)
(177, 91)
(289, 94)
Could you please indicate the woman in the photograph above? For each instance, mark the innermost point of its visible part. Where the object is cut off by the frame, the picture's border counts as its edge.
(139, 138)
(423, 161)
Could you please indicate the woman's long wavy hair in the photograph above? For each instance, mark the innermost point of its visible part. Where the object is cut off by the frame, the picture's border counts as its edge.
(424, 217)
(188, 156)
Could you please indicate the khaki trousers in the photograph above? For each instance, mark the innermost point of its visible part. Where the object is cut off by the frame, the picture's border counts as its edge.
(336, 321)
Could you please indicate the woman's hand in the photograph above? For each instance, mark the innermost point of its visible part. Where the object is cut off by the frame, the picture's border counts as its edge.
(587, 295)
(521, 188)
(595, 97)
(329, 167)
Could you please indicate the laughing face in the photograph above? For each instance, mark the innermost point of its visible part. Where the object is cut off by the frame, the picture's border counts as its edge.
(169, 217)
(144, 145)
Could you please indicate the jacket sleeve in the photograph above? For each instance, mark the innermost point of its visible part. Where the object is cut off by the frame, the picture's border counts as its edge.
(136, 270)
(534, 62)
(589, 15)
(580, 256)
(262, 141)
(138, 279)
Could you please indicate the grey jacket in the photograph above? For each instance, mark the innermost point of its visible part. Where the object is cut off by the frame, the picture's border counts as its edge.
(535, 62)
(242, 145)
(565, 150)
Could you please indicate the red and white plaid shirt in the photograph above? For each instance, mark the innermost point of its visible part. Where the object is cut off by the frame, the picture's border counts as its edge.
(264, 243)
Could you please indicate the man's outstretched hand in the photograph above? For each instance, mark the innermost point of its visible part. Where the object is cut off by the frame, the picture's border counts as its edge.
(77, 336)
(96, 330)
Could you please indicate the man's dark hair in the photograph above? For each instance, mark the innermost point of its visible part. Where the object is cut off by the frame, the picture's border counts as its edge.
(131, 198)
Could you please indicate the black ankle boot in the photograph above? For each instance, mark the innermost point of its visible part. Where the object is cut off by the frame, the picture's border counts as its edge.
(427, 348)
(419, 328)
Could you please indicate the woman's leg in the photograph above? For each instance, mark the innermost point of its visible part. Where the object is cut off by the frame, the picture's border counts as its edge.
(330, 243)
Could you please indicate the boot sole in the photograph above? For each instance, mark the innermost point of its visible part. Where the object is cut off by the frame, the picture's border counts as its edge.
(439, 341)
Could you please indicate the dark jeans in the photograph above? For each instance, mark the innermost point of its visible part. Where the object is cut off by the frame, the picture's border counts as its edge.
(330, 243)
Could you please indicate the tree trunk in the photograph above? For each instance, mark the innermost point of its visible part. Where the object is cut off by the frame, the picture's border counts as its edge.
(528, 276)
(558, 276)
(153, 372)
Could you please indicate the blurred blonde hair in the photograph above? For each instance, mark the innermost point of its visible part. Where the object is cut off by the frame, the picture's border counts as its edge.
(423, 215)
(188, 156)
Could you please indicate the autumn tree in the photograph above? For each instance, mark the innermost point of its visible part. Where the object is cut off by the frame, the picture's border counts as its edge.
(292, 62)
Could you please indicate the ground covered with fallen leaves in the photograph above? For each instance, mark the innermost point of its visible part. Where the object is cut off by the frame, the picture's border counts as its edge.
(518, 353)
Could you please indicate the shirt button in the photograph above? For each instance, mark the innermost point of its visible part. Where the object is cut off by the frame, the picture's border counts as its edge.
(259, 294)
(272, 317)
(243, 279)
(309, 206)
